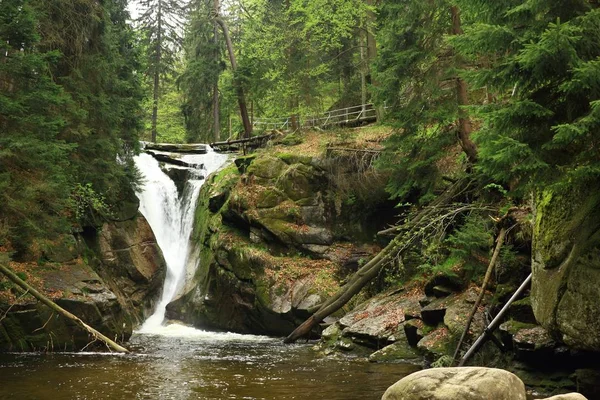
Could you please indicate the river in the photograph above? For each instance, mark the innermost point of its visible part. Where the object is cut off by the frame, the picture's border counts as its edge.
(184, 363)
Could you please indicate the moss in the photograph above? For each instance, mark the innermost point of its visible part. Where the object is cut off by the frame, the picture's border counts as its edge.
(293, 158)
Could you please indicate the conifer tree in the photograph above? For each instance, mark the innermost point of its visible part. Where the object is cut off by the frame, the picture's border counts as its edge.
(539, 60)
(162, 24)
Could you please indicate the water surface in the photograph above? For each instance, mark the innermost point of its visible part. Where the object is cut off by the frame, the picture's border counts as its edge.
(182, 363)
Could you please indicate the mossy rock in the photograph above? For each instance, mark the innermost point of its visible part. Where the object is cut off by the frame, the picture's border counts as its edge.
(270, 197)
(267, 167)
(399, 351)
(566, 264)
(293, 158)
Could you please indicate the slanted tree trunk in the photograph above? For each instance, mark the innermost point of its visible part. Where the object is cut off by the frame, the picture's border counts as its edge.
(462, 98)
(239, 89)
(97, 335)
(486, 279)
(415, 228)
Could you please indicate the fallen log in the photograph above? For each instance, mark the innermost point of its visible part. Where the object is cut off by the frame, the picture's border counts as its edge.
(416, 228)
(25, 286)
(242, 141)
(494, 324)
(193, 148)
(174, 161)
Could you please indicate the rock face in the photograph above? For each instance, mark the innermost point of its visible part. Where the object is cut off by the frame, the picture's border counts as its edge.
(566, 265)
(467, 383)
(109, 280)
(273, 243)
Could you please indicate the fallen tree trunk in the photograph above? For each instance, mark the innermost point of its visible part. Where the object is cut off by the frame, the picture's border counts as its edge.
(174, 161)
(416, 228)
(25, 286)
(195, 148)
(495, 322)
(247, 140)
(486, 279)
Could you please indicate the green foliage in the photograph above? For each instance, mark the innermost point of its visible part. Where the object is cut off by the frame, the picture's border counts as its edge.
(69, 102)
(89, 205)
(541, 63)
(471, 242)
(415, 72)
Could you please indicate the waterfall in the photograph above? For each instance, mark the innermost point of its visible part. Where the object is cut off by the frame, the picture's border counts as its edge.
(171, 217)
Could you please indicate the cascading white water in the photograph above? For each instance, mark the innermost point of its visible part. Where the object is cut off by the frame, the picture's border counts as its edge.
(171, 218)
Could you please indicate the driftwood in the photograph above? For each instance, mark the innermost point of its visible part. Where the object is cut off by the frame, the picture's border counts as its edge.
(487, 332)
(192, 148)
(486, 279)
(416, 228)
(25, 286)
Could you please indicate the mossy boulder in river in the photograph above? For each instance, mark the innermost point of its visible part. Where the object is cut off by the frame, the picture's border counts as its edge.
(566, 264)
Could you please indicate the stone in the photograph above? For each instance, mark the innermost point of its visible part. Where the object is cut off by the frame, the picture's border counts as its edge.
(567, 396)
(399, 351)
(433, 313)
(588, 382)
(461, 383)
(378, 321)
(450, 282)
(436, 343)
(458, 309)
(413, 331)
(566, 264)
(267, 168)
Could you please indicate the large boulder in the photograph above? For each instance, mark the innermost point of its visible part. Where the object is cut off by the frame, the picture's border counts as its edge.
(465, 383)
(566, 264)
(132, 264)
(110, 280)
(267, 231)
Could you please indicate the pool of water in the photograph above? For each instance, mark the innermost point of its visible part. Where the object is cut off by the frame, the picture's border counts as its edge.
(183, 363)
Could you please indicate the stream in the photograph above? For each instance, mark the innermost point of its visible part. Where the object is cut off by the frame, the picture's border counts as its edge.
(175, 362)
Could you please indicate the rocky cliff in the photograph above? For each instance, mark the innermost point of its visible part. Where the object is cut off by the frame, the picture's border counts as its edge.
(275, 238)
(108, 277)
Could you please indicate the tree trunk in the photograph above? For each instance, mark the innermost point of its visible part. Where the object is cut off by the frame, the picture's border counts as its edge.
(97, 335)
(216, 110)
(364, 65)
(157, 72)
(371, 269)
(239, 89)
(486, 279)
(462, 98)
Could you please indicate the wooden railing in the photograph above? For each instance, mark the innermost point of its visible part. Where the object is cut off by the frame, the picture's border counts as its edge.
(342, 116)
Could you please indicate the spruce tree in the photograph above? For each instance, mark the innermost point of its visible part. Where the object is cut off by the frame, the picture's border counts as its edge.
(161, 23)
(539, 61)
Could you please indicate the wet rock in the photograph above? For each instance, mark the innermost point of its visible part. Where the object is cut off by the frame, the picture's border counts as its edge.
(588, 382)
(399, 351)
(378, 321)
(567, 396)
(436, 343)
(413, 331)
(566, 264)
(465, 383)
(132, 264)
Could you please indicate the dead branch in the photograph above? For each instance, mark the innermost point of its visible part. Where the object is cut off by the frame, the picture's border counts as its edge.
(13, 277)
